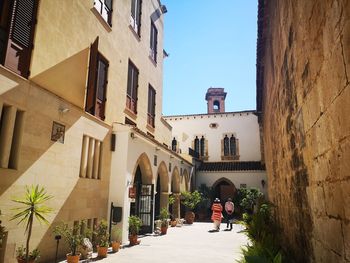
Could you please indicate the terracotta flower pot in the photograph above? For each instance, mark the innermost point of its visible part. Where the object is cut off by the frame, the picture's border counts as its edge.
(133, 240)
(73, 259)
(115, 246)
(102, 252)
(173, 223)
(163, 230)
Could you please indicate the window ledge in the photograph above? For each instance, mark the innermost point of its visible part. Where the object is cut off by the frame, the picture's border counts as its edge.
(150, 128)
(135, 33)
(130, 113)
(229, 158)
(152, 60)
(101, 19)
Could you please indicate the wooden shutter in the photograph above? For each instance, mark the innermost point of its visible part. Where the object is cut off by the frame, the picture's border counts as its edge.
(133, 12)
(129, 87)
(109, 5)
(91, 87)
(102, 81)
(135, 88)
(138, 16)
(21, 34)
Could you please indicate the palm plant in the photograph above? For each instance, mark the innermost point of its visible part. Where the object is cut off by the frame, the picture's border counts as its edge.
(32, 207)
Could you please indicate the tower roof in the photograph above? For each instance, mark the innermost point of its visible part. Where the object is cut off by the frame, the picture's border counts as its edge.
(217, 92)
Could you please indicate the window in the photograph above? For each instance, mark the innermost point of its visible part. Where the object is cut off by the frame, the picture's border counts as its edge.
(104, 7)
(200, 147)
(97, 83)
(196, 145)
(135, 19)
(230, 149)
(131, 96)
(151, 106)
(91, 157)
(202, 143)
(17, 24)
(11, 129)
(153, 42)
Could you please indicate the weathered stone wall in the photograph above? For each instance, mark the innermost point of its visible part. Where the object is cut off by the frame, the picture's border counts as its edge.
(304, 95)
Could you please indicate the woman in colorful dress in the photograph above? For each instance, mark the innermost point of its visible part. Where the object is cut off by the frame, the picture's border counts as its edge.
(217, 214)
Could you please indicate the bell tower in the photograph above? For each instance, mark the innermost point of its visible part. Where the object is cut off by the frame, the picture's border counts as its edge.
(216, 100)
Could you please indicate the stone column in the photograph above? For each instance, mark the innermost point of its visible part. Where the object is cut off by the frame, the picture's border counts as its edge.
(176, 205)
(164, 198)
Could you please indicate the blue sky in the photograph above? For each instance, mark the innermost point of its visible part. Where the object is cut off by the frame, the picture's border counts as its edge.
(211, 44)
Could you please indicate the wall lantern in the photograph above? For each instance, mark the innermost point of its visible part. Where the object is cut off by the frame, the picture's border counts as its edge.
(263, 183)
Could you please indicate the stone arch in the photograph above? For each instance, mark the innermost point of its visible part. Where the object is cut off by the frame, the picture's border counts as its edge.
(142, 181)
(224, 188)
(175, 189)
(162, 188)
(144, 165)
(186, 178)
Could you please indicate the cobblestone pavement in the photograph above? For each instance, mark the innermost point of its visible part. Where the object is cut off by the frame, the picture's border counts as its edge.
(186, 244)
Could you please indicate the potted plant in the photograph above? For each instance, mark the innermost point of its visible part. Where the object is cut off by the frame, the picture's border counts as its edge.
(116, 238)
(21, 255)
(164, 216)
(134, 228)
(102, 237)
(173, 221)
(73, 238)
(32, 206)
(190, 200)
(2, 233)
(3, 239)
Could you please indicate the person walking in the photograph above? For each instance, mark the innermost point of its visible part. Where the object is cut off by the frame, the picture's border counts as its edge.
(217, 214)
(229, 209)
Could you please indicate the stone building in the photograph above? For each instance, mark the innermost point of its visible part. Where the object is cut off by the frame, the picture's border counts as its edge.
(303, 95)
(80, 106)
(225, 144)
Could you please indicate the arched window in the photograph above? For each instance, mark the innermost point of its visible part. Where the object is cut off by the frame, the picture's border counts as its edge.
(174, 144)
(233, 146)
(196, 144)
(229, 147)
(226, 146)
(202, 146)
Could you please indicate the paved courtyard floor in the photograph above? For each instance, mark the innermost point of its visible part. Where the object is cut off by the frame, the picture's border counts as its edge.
(186, 244)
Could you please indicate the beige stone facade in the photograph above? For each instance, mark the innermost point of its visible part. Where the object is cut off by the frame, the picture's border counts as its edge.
(80, 169)
(226, 145)
(303, 94)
